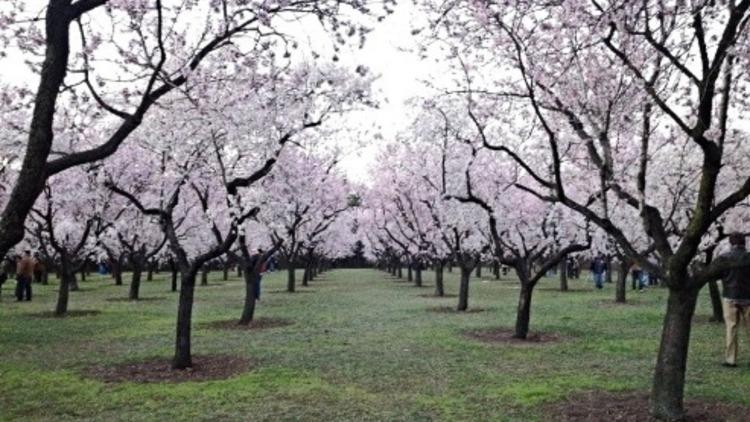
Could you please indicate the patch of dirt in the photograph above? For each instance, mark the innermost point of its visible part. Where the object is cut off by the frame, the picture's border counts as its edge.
(205, 368)
(452, 310)
(505, 336)
(255, 324)
(143, 299)
(595, 406)
(433, 296)
(69, 314)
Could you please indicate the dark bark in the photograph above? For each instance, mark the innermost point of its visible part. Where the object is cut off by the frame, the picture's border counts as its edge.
(174, 280)
(564, 275)
(523, 313)
(622, 282)
(290, 278)
(669, 374)
(463, 290)
(225, 275)
(496, 270)
(306, 275)
(418, 276)
(33, 174)
(399, 271)
(150, 272)
(182, 357)
(716, 306)
(83, 273)
(204, 276)
(409, 275)
(248, 310)
(116, 269)
(63, 295)
(239, 270)
(135, 284)
(72, 281)
(439, 288)
(479, 271)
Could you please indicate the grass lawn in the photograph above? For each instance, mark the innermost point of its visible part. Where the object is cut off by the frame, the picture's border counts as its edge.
(362, 347)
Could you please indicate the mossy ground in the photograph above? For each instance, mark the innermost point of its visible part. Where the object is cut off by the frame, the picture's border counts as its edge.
(361, 347)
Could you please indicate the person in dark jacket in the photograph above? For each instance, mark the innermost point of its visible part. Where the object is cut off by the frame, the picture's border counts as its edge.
(736, 303)
(598, 270)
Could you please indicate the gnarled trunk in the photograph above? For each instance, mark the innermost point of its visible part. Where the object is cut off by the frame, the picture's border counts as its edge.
(204, 275)
(463, 289)
(182, 355)
(63, 296)
(439, 288)
(135, 284)
(622, 282)
(523, 313)
(290, 278)
(248, 310)
(563, 275)
(669, 374)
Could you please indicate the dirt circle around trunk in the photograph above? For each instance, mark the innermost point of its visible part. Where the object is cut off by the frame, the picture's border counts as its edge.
(255, 325)
(595, 406)
(159, 370)
(452, 310)
(297, 290)
(70, 314)
(505, 336)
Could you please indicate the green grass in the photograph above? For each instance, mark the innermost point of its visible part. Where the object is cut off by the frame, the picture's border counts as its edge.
(361, 348)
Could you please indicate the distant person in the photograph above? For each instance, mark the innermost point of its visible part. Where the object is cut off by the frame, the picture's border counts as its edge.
(598, 270)
(636, 274)
(736, 283)
(24, 275)
(38, 269)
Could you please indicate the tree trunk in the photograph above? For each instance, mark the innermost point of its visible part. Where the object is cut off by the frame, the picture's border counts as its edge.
(239, 271)
(248, 310)
(496, 270)
(479, 271)
(135, 283)
(409, 276)
(174, 279)
(439, 288)
(150, 272)
(669, 375)
(306, 275)
(564, 275)
(523, 313)
(716, 306)
(225, 275)
(204, 276)
(116, 272)
(182, 356)
(63, 293)
(622, 283)
(463, 290)
(400, 271)
(290, 278)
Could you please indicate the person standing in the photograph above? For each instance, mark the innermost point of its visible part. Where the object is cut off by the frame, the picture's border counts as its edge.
(736, 301)
(636, 277)
(24, 275)
(598, 270)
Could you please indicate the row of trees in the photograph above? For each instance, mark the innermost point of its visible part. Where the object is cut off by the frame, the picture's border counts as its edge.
(612, 125)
